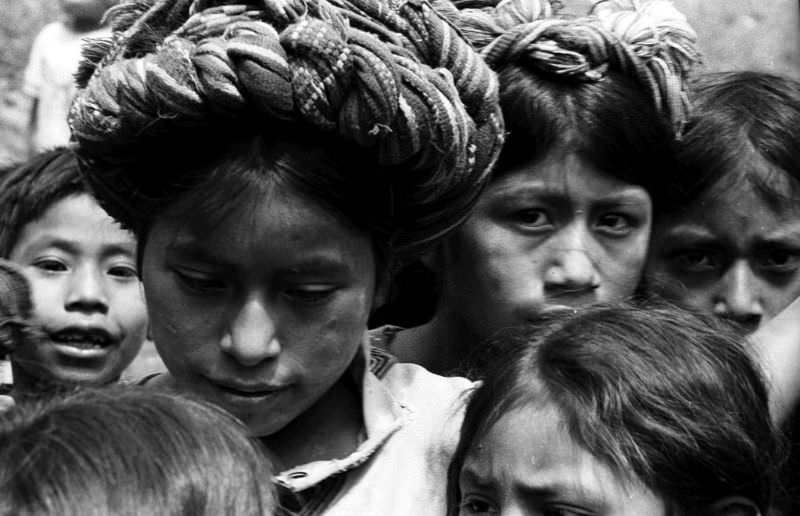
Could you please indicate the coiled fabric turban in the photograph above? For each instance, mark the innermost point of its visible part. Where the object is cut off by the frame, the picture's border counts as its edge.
(389, 75)
(650, 41)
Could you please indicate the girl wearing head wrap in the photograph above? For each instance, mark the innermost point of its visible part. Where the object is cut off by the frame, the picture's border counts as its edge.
(591, 105)
(274, 159)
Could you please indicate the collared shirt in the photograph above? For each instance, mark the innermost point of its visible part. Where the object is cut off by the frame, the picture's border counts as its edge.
(412, 418)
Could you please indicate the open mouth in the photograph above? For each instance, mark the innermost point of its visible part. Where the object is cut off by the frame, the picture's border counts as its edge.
(80, 338)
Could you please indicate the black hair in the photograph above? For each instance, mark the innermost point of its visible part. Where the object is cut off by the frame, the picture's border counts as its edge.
(611, 123)
(656, 393)
(738, 119)
(28, 189)
(125, 451)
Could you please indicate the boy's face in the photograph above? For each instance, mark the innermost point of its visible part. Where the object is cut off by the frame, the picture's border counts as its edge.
(262, 313)
(87, 297)
(731, 254)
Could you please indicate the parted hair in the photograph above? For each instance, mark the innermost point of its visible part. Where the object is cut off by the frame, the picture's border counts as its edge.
(391, 85)
(659, 394)
(28, 189)
(128, 450)
(736, 116)
(609, 86)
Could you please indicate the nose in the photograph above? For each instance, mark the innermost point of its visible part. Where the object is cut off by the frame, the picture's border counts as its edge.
(87, 291)
(571, 269)
(252, 338)
(738, 297)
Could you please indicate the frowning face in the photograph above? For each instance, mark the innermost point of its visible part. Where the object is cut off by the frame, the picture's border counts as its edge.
(557, 232)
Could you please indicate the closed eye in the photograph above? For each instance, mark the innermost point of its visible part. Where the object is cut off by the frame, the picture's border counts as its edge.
(199, 283)
(309, 294)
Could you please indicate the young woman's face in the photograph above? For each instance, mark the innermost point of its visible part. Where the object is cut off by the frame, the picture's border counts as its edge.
(527, 465)
(731, 254)
(557, 232)
(262, 313)
(86, 294)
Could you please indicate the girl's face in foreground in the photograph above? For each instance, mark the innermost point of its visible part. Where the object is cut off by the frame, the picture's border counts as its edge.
(731, 254)
(527, 465)
(262, 313)
(557, 232)
(86, 294)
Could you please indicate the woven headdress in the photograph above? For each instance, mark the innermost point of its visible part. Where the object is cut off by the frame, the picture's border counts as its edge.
(647, 40)
(393, 76)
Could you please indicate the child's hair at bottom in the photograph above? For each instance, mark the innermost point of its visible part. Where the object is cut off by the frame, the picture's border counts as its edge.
(667, 396)
(123, 451)
(29, 188)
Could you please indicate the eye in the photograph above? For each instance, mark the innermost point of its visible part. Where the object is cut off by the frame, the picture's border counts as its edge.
(474, 504)
(122, 272)
(309, 294)
(615, 224)
(779, 261)
(532, 218)
(696, 261)
(50, 265)
(199, 283)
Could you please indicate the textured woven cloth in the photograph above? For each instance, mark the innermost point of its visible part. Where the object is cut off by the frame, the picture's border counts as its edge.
(647, 40)
(392, 76)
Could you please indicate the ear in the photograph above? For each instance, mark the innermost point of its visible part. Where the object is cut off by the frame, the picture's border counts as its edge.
(735, 506)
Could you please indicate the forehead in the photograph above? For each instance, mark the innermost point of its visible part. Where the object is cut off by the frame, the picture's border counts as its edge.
(78, 219)
(528, 453)
(563, 174)
(271, 228)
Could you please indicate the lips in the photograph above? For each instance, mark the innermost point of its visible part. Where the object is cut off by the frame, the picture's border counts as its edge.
(85, 338)
(247, 390)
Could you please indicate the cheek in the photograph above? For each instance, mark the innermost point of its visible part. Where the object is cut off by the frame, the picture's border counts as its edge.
(47, 296)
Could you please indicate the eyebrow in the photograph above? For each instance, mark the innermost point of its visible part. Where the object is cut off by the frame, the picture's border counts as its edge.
(70, 247)
(591, 498)
(313, 263)
(549, 193)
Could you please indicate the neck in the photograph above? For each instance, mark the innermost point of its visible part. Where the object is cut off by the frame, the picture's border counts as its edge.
(331, 428)
(441, 345)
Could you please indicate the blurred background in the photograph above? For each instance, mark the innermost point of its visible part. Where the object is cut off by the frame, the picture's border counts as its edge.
(734, 34)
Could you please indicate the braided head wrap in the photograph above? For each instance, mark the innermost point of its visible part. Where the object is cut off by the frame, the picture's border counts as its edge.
(392, 78)
(647, 40)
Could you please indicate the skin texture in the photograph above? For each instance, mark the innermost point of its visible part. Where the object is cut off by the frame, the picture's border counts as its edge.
(528, 465)
(550, 234)
(81, 266)
(731, 254)
(263, 313)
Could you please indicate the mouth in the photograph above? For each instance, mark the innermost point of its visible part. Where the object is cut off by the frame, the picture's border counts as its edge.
(245, 390)
(86, 340)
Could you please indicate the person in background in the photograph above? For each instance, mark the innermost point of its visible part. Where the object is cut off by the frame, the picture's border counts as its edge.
(81, 266)
(731, 246)
(49, 75)
(592, 105)
(125, 451)
(618, 411)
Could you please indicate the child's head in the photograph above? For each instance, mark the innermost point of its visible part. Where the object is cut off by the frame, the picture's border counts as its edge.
(617, 411)
(81, 267)
(270, 195)
(123, 451)
(733, 246)
(85, 15)
(566, 217)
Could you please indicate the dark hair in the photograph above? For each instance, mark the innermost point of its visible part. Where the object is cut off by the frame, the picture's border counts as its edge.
(124, 451)
(739, 117)
(611, 123)
(655, 393)
(28, 189)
